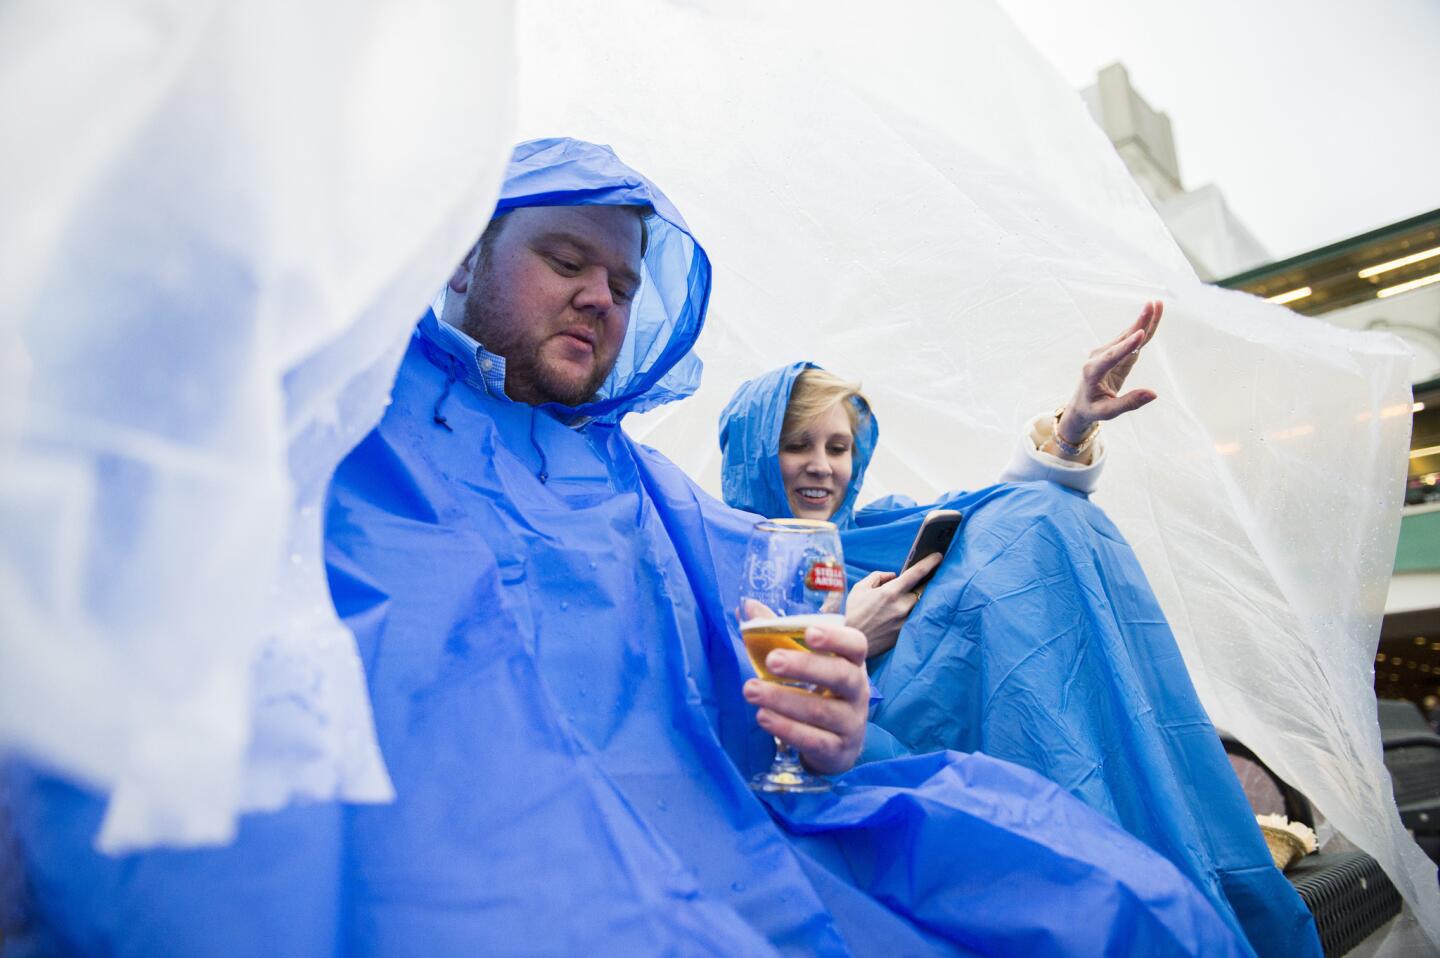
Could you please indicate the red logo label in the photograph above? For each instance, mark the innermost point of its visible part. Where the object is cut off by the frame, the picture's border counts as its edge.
(826, 576)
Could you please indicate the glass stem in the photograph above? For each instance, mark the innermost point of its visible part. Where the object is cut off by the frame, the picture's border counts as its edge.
(786, 755)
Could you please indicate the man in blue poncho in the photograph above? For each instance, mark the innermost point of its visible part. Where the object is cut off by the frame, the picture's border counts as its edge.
(1038, 640)
(545, 611)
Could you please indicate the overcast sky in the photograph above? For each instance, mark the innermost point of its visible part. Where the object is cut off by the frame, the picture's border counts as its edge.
(1318, 120)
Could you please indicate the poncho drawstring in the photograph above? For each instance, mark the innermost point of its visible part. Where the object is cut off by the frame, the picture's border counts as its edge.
(544, 474)
(436, 413)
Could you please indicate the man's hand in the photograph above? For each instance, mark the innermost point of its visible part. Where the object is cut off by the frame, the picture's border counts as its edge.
(827, 729)
(1097, 398)
(881, 601)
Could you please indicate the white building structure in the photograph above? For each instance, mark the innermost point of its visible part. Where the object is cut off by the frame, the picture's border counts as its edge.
(1212, 237)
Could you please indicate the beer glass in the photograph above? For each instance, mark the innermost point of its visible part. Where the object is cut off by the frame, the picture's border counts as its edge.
(793, 578)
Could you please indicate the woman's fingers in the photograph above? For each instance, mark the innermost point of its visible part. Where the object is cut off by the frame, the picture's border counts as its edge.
(1146, 322)
(1140, 323)
(1097, 397)
(877, 579)
(907, 580)
(1157, 310)
(1131, 401)
(1098, 366)
(1149, 319)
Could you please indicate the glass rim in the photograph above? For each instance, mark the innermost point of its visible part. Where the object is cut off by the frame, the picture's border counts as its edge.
(796, 525)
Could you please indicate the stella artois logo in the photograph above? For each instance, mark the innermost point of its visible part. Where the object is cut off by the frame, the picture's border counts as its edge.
(826, 575)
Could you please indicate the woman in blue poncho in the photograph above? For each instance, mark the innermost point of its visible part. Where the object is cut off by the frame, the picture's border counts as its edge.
(1038, 640)
(826, 435)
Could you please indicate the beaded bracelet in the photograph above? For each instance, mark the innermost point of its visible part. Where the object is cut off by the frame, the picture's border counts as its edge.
(1073, 450)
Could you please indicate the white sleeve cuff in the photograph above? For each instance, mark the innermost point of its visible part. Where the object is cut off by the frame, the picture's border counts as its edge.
(1029, 464)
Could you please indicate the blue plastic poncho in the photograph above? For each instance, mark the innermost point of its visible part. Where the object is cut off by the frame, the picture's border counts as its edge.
(1039, 641)
(545, 617)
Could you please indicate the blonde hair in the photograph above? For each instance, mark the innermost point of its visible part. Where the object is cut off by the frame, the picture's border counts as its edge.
(815, 392)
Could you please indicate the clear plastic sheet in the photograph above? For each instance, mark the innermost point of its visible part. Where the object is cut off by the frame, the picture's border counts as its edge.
(219, 222)
(919, 201)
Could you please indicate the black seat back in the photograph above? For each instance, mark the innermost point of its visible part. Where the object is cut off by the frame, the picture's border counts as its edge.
(1399, 717)
(1348, 894)
(1412, 756)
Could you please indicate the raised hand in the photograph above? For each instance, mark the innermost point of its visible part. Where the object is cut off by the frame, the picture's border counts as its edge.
(1098, 397)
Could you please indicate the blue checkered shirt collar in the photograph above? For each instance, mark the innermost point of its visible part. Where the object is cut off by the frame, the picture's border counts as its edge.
(483, 369)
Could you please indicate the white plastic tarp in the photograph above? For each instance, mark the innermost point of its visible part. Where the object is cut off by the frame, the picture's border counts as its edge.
(218, 221)
(912, 197)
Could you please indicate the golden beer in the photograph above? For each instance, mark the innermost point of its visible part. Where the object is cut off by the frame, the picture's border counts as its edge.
(763, 636)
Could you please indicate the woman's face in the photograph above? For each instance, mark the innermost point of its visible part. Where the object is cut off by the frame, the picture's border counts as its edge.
(815, 464)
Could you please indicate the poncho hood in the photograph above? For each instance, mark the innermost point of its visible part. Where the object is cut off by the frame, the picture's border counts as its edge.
(750, 447)
(656, 364)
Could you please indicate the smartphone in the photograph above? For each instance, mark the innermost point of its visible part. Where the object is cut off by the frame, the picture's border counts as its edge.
(935, 535)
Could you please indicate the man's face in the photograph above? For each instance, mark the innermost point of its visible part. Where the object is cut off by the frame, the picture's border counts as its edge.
(553, 297)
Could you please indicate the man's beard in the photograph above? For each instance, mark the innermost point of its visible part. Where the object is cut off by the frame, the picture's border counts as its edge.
(526, 378)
